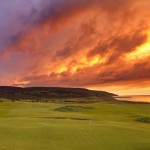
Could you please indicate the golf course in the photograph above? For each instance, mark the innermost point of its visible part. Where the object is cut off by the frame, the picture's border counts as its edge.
(74, 126)
(74, 74)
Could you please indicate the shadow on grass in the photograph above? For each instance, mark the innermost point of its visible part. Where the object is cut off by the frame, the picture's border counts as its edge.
(62, 118)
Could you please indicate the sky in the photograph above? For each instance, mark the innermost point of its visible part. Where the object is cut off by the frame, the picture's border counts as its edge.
(94, 44)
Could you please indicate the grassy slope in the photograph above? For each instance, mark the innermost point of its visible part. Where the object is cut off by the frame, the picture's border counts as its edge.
(114, 127)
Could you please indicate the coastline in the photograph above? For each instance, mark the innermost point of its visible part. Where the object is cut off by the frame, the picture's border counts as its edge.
(134, 98)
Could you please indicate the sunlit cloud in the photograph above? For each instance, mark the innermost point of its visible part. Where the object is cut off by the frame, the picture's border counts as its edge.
(72, 43)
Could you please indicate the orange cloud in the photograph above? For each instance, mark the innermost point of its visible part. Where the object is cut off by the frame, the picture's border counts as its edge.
(81, 43)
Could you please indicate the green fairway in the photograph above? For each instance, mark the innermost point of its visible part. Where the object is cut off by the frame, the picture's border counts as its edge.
(38, 126)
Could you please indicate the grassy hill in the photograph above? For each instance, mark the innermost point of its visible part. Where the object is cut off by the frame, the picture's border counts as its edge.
(45, 94)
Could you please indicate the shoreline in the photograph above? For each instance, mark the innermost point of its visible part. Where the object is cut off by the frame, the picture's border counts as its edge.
(134, 98)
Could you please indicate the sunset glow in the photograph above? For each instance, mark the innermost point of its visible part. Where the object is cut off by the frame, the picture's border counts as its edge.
(87, 43)
(143, 51)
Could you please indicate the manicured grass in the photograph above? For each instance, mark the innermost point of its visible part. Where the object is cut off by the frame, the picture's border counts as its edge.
(38, 126)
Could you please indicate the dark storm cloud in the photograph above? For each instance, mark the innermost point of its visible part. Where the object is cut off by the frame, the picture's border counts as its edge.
(19, 16)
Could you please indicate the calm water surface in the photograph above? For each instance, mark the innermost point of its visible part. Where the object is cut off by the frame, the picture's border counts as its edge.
(135, 98)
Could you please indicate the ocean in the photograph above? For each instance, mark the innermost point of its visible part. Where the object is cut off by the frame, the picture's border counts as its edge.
(134, 98)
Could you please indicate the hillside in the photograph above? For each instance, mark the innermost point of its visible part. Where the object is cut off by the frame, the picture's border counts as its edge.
(51, 94)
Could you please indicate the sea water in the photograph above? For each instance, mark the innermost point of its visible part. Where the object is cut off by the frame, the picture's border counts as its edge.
(134, 98)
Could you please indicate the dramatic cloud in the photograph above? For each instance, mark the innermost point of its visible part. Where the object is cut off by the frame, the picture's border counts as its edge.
(77, 43)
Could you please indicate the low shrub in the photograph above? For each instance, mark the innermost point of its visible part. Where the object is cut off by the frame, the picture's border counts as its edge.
(144, 119)
(72, 108)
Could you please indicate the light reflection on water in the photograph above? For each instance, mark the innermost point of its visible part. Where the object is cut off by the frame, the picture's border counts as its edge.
(134, 98)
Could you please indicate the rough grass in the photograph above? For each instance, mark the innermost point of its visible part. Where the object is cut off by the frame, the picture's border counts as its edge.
(37, 126)
(144, 119)
(73, 108)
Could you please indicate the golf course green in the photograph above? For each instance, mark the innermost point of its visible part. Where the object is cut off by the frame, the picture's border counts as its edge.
(97, 126)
